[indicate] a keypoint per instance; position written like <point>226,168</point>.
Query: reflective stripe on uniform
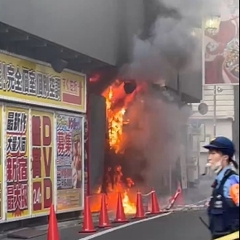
<point>232,236</point>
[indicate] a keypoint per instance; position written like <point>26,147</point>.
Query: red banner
<point>42,161</point>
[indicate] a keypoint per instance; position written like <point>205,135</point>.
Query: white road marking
<point>122,226</point>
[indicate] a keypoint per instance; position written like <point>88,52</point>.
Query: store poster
<point>69,162</point>
<point>42,162</point>
<point>17,154</point>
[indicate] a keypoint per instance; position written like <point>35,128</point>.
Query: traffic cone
<point>120,215</point>
<point>154,203</point>
<point>103,216</point>
<point>87,225</point>
<point>139,207</point>
<point>52,225</point>
<point>179,198</point>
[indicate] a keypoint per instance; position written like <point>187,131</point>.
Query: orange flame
<point>115,131</point>
<point>129,207</point>
<point>115,122</point>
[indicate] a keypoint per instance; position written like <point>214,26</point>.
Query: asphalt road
<point>179,226</point>
<point>184,226</point>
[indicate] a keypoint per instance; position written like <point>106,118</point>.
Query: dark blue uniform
<point>223,211</point>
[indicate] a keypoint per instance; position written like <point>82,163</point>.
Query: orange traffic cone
<point>52,225</point>
<point>120,215</point>
<point>103,217</point>
<point>154,203</point>
<point>87,226</point>
<point>139,207</point>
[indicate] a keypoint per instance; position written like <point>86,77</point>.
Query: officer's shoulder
<point>234,178</point>
<point>230,172</point>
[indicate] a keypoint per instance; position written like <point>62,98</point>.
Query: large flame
<point>115,117</point>
<point>115,122</point>
<point>113,191</point>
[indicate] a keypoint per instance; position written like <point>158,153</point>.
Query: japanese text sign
<point>17,162</point>
<point>36,83</point>
<point>42,162</point>
<point>69,162</point>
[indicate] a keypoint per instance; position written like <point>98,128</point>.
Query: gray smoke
<point>154,139</point>
<point>170,42</point>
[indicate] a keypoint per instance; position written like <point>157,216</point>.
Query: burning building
<point>138,122</point>
<point>142,124</point>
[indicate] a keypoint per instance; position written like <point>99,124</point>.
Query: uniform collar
<point>221,174</point>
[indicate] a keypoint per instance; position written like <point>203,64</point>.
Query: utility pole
<point>215,111</point>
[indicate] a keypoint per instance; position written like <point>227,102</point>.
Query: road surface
<point>178,225</point>
<point>184,225</point>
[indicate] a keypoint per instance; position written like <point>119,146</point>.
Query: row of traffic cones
<point>155,209</point>
<point>103,222</point>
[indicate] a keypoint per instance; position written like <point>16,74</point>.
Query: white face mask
<point>216,167</point>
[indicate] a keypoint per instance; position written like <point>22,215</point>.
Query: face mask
<point>216,167</point>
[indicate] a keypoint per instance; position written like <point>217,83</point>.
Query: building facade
<point>42,138</point>
<point>220,108</point>
<point>221,85</point>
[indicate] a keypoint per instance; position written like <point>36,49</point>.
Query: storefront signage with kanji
<point>36,83</point>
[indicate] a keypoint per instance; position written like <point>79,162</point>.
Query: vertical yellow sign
<point>1,160</point>
<point>17,179</point>
<point>42,162</point>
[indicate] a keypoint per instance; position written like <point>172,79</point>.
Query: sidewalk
<point>67,230</point>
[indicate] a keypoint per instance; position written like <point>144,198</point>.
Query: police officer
<point>223,210</point>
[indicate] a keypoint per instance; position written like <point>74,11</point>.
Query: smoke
<point>151,142</point>
<point>154,145</point>
<point>170,41</point>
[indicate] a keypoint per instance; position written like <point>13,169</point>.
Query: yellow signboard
<point>17,164</point>
<point>42,162</point>
<point>26,81</point>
